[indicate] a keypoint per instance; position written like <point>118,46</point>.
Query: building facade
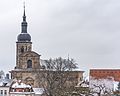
<point>28,65</point>
<point>105,73</point>
<point>4,86</point>
<point>20,89</point>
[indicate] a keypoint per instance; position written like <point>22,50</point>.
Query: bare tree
<point>58,76</point>
<point>101,87</point>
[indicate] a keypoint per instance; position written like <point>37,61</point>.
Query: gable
<point>29,54</point>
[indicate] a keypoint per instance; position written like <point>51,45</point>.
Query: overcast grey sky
<point>87,30</point>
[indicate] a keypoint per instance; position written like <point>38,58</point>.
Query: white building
<point>18,88</point>
<point>4,87</point>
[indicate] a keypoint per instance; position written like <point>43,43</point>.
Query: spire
<point>24,17</point>
<point>24,36</point>
<point>24,23</point>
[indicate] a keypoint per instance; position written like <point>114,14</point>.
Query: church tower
<point>27,61</point>
<point>23,43</point>
<point>25,57</point>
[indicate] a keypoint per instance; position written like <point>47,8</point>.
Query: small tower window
<point>22,49</point>
<point>26,48</point>
<point>29,64</point>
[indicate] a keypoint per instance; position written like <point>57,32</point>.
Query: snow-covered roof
<point>5,82</point>
<point>87,78</point>
<point>83,84</point>
<point>20,85</point>
<point>38,90</point>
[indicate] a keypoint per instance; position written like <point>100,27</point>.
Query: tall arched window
<point>29,64</point>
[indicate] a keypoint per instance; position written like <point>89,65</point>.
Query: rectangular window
<point>1,91</point>
<point>5,92</point>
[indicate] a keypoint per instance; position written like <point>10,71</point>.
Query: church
<point>28,61</point>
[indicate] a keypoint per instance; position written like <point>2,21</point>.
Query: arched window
<point>29,81</point>
<point>29,64</point>
<point>22,49</point>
